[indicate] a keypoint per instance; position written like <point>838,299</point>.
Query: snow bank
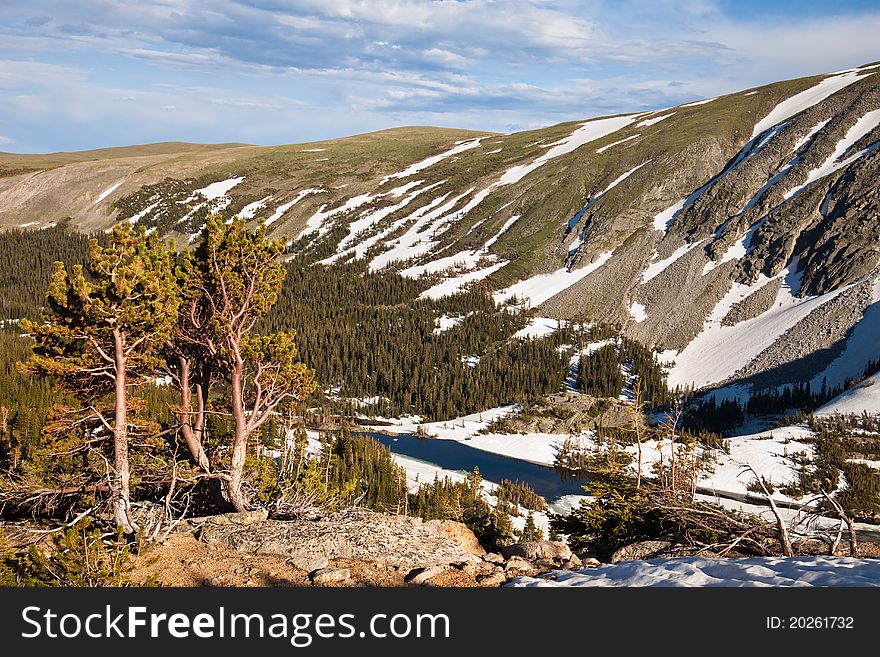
<point>539,327</point>
<point>768,452</point>
<point>863,397</point>
<point>718,351</point>
<point>821,571</point>
<point>805,99</point>
<point>107,192</point>
<point>434,159</point>
<point>650,122</point>
<point>541,287</point>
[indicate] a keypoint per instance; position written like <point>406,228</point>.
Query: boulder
<point>492,579</point>
<point>642,550</point>
<point>329,575</point>
<point>384,539</point>
<point>458,533</point>
<point>538,551</point>
<point>420,576</point>
<point>519,564</point>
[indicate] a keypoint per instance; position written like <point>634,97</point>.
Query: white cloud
<point>257,69</point>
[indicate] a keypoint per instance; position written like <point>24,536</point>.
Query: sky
<point>80,74</point>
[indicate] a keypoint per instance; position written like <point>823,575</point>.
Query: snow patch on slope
<point>616,143</point>
<point>541,287</point>
<point>698,102</point>
<point>805,99</point>
<point>656,268</point>
<point>282,209</point>
<point>718,351</point>
<point>455,284</point>
<point>317,221</point>
<point>638,312</point>
<point>656,119</point>
<point>250,210</point>
<point>107,192</point>
<point>861,344</point>
<point>538,327</point>
<point>862,127</point>
<point>861,398</point>
<point>434,159</point>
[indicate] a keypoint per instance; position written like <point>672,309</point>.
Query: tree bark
<point>239,445</point>
<point>120,482</point>
<point>193,431</point>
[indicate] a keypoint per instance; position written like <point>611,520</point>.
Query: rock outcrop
<point>311,542</point>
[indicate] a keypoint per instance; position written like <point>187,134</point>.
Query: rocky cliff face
<point>739,234</point>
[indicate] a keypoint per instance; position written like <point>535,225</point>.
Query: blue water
<point>451,455</point>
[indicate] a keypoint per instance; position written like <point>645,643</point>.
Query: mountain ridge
<point>738,235</point>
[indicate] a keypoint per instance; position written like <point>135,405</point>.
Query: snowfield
<point>806,99</point>
<point>718,351</point>
<point>864,397</point>
<point>819,571</point>
<point>862,127</point>
<point>541,287</point>
<point>412,169</point>
<point>107,192</point>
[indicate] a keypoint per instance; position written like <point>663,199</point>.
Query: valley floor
<point>730,481</point>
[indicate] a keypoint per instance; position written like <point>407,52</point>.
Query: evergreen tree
<point>238,272</point>
<point>101,332</point>
<point>530,531</point>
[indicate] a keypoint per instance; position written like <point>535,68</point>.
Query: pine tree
<point>239,274</point>
<point>530,531</point>
<point>101,332</point>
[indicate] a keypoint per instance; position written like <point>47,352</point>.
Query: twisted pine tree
<point>100,334</point>
<point>235,276</point>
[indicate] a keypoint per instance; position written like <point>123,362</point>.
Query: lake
<point>452,455</point>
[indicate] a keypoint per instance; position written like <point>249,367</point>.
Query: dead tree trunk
<point>853,540</point>
<point>781,527</point>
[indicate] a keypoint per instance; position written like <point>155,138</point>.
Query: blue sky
<point>77,74</point>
